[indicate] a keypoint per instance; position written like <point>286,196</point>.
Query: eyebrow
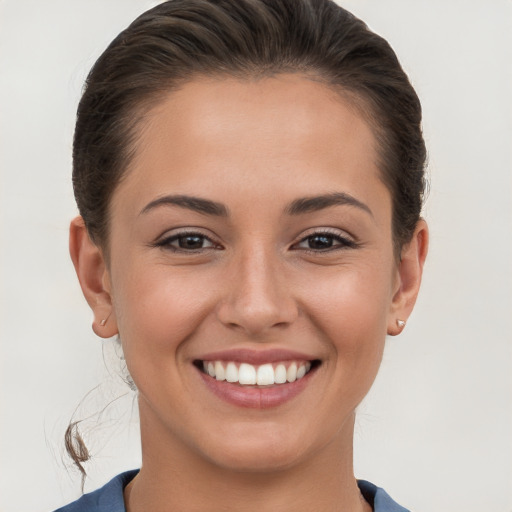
<point>297,207</point>
<point>316,203</point>
<point>196,204</point>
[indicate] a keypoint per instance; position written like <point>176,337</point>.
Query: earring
<point>104,321</point>
<point>400,323</point>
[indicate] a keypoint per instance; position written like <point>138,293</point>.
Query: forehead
<point>288,131</point>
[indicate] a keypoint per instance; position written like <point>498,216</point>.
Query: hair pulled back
<point>180,39</point>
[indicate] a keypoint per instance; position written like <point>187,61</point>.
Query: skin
<point>255,147</point>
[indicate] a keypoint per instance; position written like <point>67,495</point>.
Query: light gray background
<point>436,430</point>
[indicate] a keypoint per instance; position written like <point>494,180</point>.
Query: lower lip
<point>253,396</point>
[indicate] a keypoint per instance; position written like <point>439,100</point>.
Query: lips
<point>257,379</point>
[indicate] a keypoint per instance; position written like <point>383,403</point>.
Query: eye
<point>186,242</point>
<point>324,241</point>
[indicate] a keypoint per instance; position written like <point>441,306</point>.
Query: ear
<point>410,270</point>
<point>94,278</point>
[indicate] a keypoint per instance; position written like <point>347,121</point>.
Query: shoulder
<point>378,498</point>
<point>108,498</point>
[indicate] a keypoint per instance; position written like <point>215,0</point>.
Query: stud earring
<point>104,321</point>
<point>400,323</point>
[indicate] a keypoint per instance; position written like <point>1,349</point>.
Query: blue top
<point>109,498</point>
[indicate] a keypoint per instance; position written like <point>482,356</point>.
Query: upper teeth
<point>263,375</point>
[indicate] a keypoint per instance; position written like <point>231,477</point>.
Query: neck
<point>174,478</point>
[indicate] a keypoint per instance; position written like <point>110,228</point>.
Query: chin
<point>264,451</point>
<point>256,460</point>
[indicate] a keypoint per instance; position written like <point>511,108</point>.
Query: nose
<point>258,295</point>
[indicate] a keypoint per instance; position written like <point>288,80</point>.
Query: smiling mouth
<point>268,374</point>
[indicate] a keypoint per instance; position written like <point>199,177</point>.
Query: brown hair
<point>169,44</point>
<point>179,39</point>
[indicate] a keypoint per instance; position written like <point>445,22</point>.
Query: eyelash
<point>343,242</point>
<point>334,236</point>
<point>165,243</point>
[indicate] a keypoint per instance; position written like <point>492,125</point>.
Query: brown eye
<point>191,242</point>
<point>319,242</point>
<point>185,242</point>
<point>324,242</point>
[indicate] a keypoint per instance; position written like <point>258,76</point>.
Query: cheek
<point>351,307</point>
<point>157,308</point>
<point>351,294</point>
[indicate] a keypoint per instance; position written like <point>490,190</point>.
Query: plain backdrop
<point>436,429</point>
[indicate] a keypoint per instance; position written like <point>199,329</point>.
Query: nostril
<point>256,300</point>
<point>256,319</point>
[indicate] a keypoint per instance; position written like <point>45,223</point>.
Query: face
<point>251,241</point>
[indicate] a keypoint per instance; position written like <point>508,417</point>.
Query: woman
<point>249,176</point>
